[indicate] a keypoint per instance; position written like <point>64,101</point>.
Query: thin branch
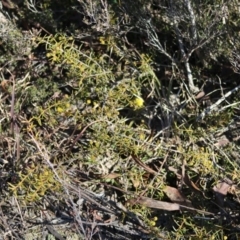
<point>192,87</point>
<point>193,21</point>
<point>209,109</point>
<point>154,40</point>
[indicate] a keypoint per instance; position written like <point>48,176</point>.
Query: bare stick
<point>209,109</point>
<point>182,50</point>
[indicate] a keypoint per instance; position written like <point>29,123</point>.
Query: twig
<point>185,59</point>
<point>209,109</point>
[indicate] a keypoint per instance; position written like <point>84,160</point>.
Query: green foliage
<point>39,91</point>
<point>34,184</point>
<point>189,228</point>
<point>93,78</point>
<point>14,43</point>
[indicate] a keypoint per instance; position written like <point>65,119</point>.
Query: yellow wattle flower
<point>60,109</point>
<point>138,102</point>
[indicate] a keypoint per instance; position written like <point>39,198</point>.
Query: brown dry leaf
<point>151,203</point>
<point>200,95</point>
<point>111,176</point>
<point>4,86</point>
<point>221,190</point>
<point>222,142</point>
<point>139,162</point>
<point>175,196</point>
<point>185,178</point>
<point>188,181</point>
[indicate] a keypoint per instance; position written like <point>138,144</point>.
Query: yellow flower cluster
<point>138,102</point>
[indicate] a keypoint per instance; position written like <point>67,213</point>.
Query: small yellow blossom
<point>138,102</point>
<point>89,101</point>
<point>152,223</point>
<point>60,109</point>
